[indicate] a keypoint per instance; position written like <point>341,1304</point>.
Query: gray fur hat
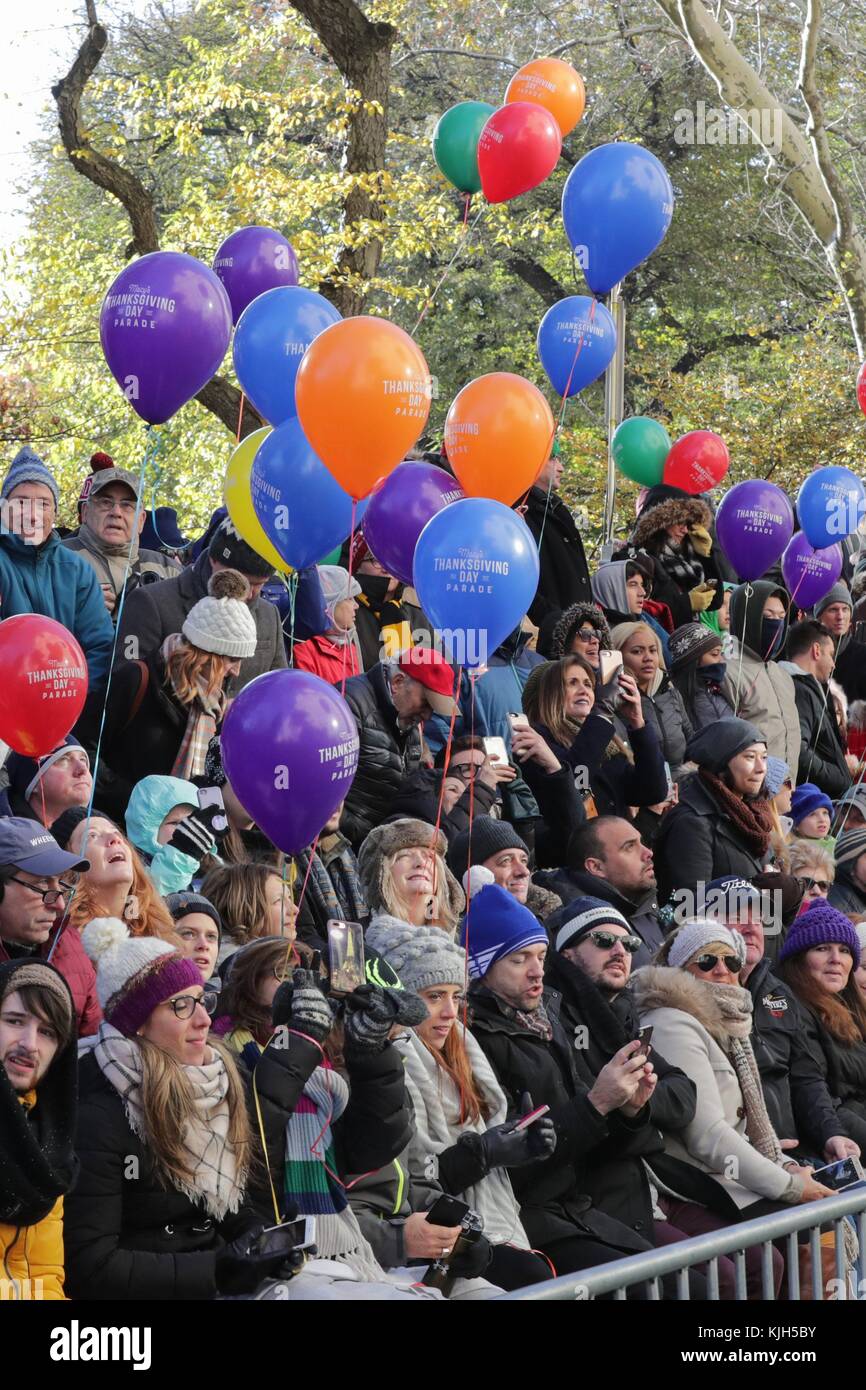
<point>388,839</point>
<point>422,956</point>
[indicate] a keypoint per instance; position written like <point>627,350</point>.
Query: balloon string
<point>152,446</point>
<point>292,587</point>
<point>240,418</point>
<point>159,447</point>
<point>349,590</point>
<point>447,758</point>
<point>465,238</point>
<point>748,595</point>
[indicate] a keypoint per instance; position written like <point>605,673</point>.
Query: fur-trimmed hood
<point>571,621</point>
<point>664,987</point>
<point>677,511</point>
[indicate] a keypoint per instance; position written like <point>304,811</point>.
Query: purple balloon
<point>290,750</point>
<point>754,523</point>
<point>165,325</point>
<point>809,573</point>
<point>399,510</point>
<point>253,260</point>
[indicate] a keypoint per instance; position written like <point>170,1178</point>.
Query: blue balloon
<point>476,573</point>
<point>272,335</point>
<point>617,205</point>
<point>830,504</point>
<point>300,504</point>
<point>576,340</point>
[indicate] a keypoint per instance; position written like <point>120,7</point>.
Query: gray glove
<point>371,1013</point>
<point>301,1005</point>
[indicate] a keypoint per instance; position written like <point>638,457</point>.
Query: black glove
<point>371,1013</point>
<point>471,1258</point>
<point>301,1005</point>
<point>195,834</point>
<point>238,1271</point>
<point>506,1146</point>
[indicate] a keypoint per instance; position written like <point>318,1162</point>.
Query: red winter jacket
<point>325,658</point>
<point>72,961</point>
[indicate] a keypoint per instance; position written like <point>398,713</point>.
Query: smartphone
<point>495,749</point>
<point>212,796</point>
<point>843,1173</point>
<point>282,1240</point>
<point>345,956</point>
<point>609,669</point>
<point>645,1037</point>
<point>518,721</point>
<point>447,1211</point>
<point>530,1119</point>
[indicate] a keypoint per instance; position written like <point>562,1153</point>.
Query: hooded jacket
<point>564,576</point>
<point>822,755</point>
<point>109,562</point>
<point>39,1167</point>
<point>151,800</point>
<point>386,754</point>
<point>689,1032</point>
<point>52,580</point>
<point>610,593</point>
<point>758,690</point>
<point>649,535</point>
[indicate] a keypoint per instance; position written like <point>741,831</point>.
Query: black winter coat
<point>387,754</point>
<point>843,1069</point>
<point>698,842</point>
<point>642,916</point>
<point>127,1236</point>
<point>798,1102</point>
<point>564,577</point>
<point>554,1201</point>
<point>418,796</point>
<point>149,741</point>
<point>665,712</point>
<point>850,669</point>
<point>822,756</point>
<point>846,895</point>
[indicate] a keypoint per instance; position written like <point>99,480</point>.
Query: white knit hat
<point>222,623</point>
<point>700,932</point>
<point>134,974</point>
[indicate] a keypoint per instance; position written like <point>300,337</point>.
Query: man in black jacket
<point>608,859</point>
<point>517,1024</point>
<point>390,702</point>
<point>564,577</point>
<point>798,1102</point>
<point>823,759</point>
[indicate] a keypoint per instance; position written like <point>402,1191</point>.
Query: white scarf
<point>438,1126</point>
<point>216,1182</point>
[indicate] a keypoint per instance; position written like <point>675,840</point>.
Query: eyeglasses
<point>708,962</point>
<point>587,634</point>
<point>605,941</point>
<point>107,504</point>
<point>465,771</point>
<point>820,883</point>
<point>184,1005</point>
<point>50,896</point>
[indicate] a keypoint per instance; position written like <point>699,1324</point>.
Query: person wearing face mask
<point>382,622</point>
<point>722,823</point>
<point>334,654</point>
<point>698,669</point>
<point>170,831</point>
<point>758,689</point>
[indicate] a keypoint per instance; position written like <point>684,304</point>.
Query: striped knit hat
<point>850,845</point>
<point>134,974</point>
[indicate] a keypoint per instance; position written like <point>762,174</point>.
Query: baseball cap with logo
<point>431,670</point>
<point>24,844</point>
<point>95,482</point>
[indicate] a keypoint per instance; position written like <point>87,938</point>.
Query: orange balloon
<point>498,436</point>
<point>363,393</point>
<point>553,84</point>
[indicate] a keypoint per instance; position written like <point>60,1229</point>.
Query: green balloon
<point>640,447</point>
<point>332,557</point>
<point>455,143</point>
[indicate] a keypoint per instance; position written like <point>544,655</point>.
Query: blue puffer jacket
<point>55,581</point>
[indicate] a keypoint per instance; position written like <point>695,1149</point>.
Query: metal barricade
<point>649,1267</point>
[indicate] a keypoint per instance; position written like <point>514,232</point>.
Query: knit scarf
<point>534,1022</point>
<point>311,1180</point>
<point>340,865</point>
<point>751,818</point>
<point>217,1181</point>
<point>438,1126</point>
<point>734,1004</point>
<point>114,557</point>
<point>204,715</point>
<point>681,563</point>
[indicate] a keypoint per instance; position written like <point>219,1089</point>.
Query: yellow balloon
<point>238,499</point>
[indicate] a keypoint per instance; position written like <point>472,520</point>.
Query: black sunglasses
<point>708,962</point>
<point>605,941</point>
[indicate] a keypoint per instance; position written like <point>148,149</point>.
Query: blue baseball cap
<point>25,844</point>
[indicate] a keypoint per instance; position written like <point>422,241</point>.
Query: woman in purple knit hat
<point>818,959</point>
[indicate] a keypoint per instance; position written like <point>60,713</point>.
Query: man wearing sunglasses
<point>37,880</point>
<point>795,1092</point>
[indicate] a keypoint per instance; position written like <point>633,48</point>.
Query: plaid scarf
<point>751,818</point>
<point>204,715</point>
<point>334,880</point>
<point>217,1181</point>
<point>534,1022</point>
<point>681,564</point>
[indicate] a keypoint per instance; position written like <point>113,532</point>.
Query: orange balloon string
<point>240,418</point>
<point>447,759</point>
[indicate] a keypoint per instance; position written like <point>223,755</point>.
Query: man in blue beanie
<point>517,1024</point>
<point>38,574</point>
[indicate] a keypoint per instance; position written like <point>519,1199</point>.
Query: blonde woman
<point>164,711</point>
<point>663,706</point>
<point>813,866</point>
<point>405,878</point>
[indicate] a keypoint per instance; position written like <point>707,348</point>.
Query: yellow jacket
<point>31,1257</point>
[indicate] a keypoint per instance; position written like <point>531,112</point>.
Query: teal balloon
<point>640,447</point>
<point>455,143</point>
<point>332,557</point>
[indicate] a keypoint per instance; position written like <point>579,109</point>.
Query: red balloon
<point>43,683</point>
<point>861,388</point>
<point>697,461</point>
<point>517,149</point>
